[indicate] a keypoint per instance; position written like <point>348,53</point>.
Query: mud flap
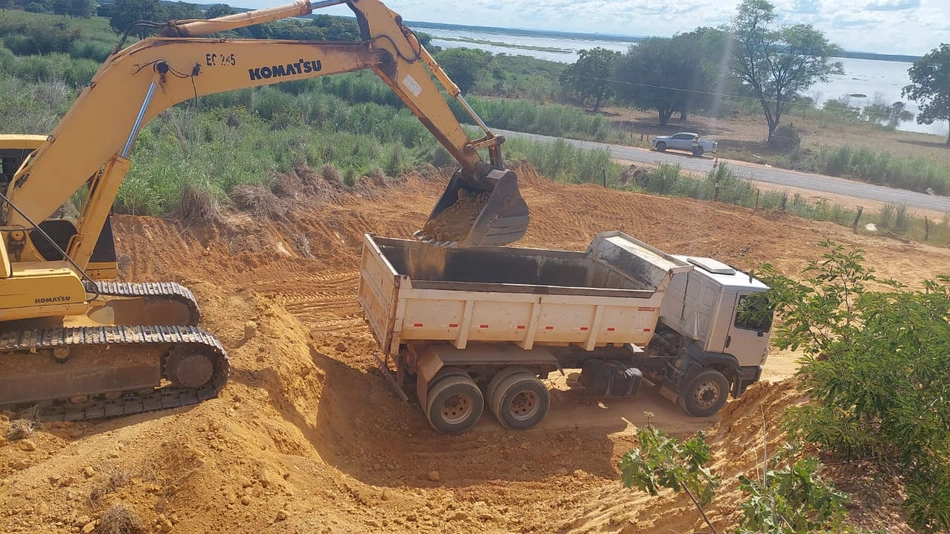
<point>502,217</point>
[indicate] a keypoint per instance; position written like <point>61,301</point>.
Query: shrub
<point>786,137</point>
<point>877,366</point>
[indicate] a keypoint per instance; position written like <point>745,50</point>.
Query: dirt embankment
<point>307,437</point>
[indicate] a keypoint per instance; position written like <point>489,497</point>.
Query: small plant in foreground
<point>790,498</point>
<point>663,462</point>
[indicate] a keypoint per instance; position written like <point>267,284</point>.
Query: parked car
<point>688,141</point>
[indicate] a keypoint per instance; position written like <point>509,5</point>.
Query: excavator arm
<point>93,141</point>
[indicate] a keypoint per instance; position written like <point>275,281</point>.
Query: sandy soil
<point>307,437</point>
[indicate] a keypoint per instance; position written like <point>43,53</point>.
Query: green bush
<point>877,366</point>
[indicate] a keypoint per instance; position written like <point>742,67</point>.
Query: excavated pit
<point>307,437</point>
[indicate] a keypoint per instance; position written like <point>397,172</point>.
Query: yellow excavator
<point>75,345</point>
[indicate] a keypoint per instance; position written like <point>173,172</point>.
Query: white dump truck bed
<point>610,294</point>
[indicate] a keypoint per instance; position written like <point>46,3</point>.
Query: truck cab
<point>718,324</point>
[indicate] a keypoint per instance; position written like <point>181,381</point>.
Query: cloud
<point>885,26</point>
<point>892,5</point>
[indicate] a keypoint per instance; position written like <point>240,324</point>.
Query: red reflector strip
<point>549,328</point>
<point>610,329</point>
<point>584,329</point>
<point>417,325</point>
<point>521,327</point>
<point>483,326</point>
<point>647,329</point>
<point>453,325</point>
<point>646,308</point>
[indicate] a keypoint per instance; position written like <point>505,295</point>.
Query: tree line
<point>750,57</point>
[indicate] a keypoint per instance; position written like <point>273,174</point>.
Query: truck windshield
<point>754,312</point>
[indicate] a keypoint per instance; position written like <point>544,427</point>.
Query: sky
<point>883,26</point>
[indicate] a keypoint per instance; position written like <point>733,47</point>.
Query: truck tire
<point>454,404</point>
<point>500,377</point>
<point>448,370</point>
<point>698,151</point>
<point>661,146</point>
<point>706,394</point>
<point>520,401</point>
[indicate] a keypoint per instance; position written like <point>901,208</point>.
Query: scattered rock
<point>561,472</point>
<point>434,476</point>
<point>578,473</point>
<point>458,516</point>
<point>28,445</point>
<point>282,515</point>
<point>89,472</point>
<point>89,527</point>
<point>82,520</point>
<point>245,500</point>
<point>341,347</point>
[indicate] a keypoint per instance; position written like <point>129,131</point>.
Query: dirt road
<point>307,437</point>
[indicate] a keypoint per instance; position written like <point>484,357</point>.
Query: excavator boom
<point>137,83</point>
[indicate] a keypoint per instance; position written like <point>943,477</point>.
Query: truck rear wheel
<point>500,377</point>
<point>661,146</point>
<point>706,394</point>
<point>454,404</point>
<point>520,401</point>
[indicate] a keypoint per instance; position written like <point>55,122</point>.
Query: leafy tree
<point>179,11</point>
<point>126,12</point>
<point>778,64</point>
<point>337,28</point>
<point>708,74</point>
<point>671,75</point>
<point>930,86</point>
<point>887,115</point>
<point>465,66</point>
<point>218,10</point>
<point>653,75</point>
<point>877,364</point>
<point>589,76</point>
<point>82,8</point>
<point>60,7</point>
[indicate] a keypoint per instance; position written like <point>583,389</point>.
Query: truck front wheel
<point>706,394</point>
<point>520,401</point>
<point>454,404</point>
<point>698,151</point>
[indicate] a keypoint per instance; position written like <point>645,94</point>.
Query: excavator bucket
<point>474,210</point>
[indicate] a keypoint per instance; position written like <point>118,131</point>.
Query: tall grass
<point>566,163</point>
<point>547,119</point>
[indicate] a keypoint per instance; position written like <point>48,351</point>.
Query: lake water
<point>862,76</point>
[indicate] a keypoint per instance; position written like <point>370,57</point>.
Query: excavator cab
<point>481,209</point>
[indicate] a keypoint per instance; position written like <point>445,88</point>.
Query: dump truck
<point>470,328</point>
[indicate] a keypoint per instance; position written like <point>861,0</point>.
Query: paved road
<point>761,173</point>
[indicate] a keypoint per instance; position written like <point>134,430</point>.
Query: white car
<point>688,141</point>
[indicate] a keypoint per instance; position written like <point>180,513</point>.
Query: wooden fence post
<point>857,218</point>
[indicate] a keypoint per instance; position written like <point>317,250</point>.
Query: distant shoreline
<point>619,38</point>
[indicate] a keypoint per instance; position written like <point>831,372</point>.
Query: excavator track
<point>152,293</point>
<point>42,345</point>
<point>92,372</point>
